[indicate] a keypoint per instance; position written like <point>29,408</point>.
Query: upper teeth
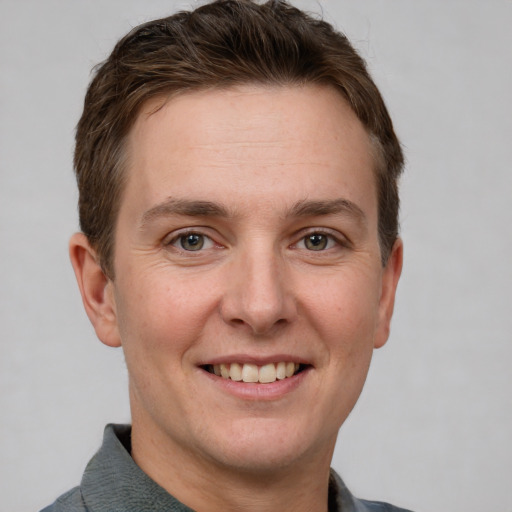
<point>253,373</point>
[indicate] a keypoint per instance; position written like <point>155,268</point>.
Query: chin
<point>261,446</point>
<point>258,459</point>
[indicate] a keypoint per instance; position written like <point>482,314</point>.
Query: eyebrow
<point>302,208</point>
<point>312,208</point>
<point>186,207</point>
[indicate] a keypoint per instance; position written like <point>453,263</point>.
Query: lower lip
<point>255,391</point>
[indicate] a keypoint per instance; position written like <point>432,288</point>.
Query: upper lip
<point>253,359</point>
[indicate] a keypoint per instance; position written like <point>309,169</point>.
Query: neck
<point>207,486</point>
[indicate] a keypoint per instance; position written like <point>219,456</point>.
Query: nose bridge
<point>259,295</point>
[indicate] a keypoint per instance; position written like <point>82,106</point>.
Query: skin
<point>275,166</point>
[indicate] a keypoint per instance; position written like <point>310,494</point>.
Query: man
<point>238,172</point>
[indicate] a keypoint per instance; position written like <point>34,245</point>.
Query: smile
<point>252,373</point>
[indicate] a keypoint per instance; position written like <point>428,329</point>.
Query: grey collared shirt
<point>112,482</point>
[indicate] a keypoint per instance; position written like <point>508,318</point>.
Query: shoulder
<point>379,506</point>
<point>71,501</point>
<point>341,499</point>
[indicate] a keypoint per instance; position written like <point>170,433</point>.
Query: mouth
<point>252,373</point>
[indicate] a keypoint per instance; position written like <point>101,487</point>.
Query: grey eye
<point>316,242</point>
<point>191,242</point>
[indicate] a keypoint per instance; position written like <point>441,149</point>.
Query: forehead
<point>264,142</point>
<point>253,108</point>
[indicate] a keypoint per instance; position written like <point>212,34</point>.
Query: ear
<point>96,290</point>
<point>390,276</point>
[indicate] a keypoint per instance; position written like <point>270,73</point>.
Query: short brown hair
<point>222,43</point>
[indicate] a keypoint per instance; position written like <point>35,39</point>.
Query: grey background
<point>432,430</point>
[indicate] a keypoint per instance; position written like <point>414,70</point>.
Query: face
<point>249,292</point>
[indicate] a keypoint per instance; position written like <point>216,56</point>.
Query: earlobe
<point>390,276</point>
<point>96,290</point>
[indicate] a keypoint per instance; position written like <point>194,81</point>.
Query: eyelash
<point>331,241</point>
<point>189,233</point>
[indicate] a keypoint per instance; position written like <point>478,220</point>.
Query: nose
<point>259,294</point>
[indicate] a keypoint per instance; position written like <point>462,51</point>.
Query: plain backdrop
<point>432,430</point>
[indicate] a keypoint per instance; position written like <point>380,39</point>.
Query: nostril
<point>237,321</point>
<point>260,307</point>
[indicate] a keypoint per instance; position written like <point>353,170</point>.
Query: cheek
<point>345,311</point>
<point>163,315</point>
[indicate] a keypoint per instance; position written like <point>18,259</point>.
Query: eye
<point>192,242</point>
<point>318,242</point>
